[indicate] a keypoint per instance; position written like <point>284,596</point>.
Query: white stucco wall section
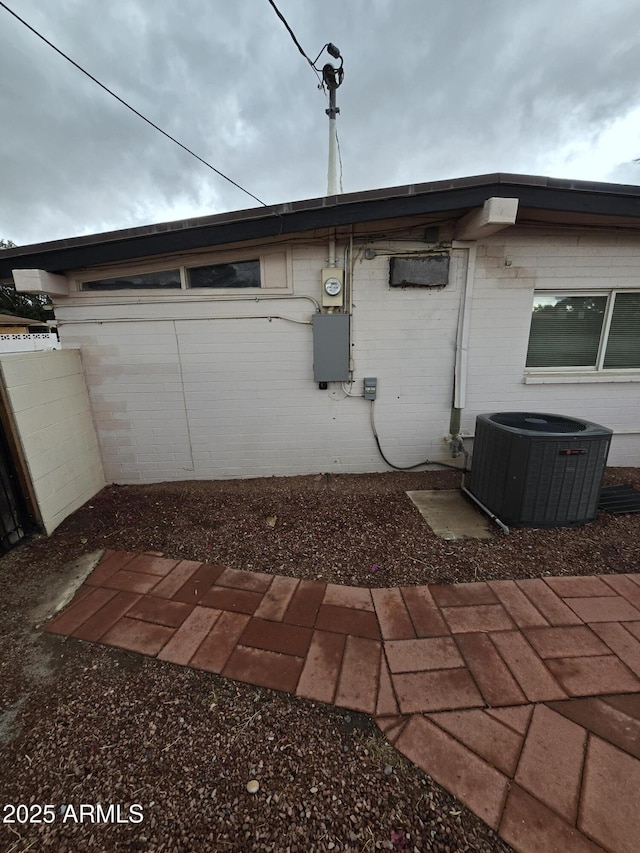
<point>196,386</point>
<point>204,388</point>
<point>406,337</point>
<point>50,405</point>
<point>509,269</point>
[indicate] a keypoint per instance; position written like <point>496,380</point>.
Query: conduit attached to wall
<point>147,300</point>
<point>182,319</point>
<point>464,324</point>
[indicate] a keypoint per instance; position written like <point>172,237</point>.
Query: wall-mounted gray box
<point>331,347</point>
<point>370,388</point>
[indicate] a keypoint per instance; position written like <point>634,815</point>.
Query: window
<point>164,280</point>
<point>599,331</point>
<point>242,274</point>
<point>221,273</point>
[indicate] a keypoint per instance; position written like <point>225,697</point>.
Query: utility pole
<point>332,78</point>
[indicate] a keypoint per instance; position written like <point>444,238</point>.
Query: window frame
<point>598,369</point>
<point>183,264</point>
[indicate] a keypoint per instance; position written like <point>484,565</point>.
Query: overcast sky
<point>433,89</point>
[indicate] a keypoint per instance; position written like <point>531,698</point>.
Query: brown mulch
<point>81,723</point>
<point>360,530</point>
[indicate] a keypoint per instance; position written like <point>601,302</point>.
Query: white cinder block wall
<point>192,387</point>
<point>508,269</point>
<point>49,402</point>
<point>204,391</point>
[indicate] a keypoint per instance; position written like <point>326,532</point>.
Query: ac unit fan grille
<point>538,423</point>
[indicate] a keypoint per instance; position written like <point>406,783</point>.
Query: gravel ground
<point>81,723</point>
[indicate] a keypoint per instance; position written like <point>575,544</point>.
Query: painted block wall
<point>202,388</point>
<point>406,337</point>
<point>213,389</point>
<point>509,268</point>
<point>49,401</point>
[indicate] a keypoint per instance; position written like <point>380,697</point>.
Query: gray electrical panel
<point>331,347</point>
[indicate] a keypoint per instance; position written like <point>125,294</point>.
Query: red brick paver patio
<point>521,698</point>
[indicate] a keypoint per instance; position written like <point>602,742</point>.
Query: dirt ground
<point>86,724</point>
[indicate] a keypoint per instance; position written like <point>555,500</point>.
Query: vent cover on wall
<point>538,470</point>
<point>425,271</point>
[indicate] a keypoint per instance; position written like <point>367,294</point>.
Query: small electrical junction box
<point>370,388</point>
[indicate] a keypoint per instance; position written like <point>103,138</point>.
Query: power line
<point>129,107</point>
<point>296,42</point>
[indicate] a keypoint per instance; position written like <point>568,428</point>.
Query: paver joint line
<point>465,680</point>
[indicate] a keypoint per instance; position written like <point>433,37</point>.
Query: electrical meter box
<point>331,347</point>
<point>332,287</point>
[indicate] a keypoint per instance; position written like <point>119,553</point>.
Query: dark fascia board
<point>459,195</point>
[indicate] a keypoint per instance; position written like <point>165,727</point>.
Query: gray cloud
<point>431,91</point>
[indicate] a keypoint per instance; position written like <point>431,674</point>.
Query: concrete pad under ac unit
<point>450,515</point>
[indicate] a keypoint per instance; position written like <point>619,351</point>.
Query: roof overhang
<point>565,201</point>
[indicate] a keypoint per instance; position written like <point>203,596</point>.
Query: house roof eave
<point>458,195</point>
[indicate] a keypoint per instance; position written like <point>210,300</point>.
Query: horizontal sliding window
<point>241,274</point>
<point>164,280</point>
<point>215,272</point>
<point>598,331</point>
